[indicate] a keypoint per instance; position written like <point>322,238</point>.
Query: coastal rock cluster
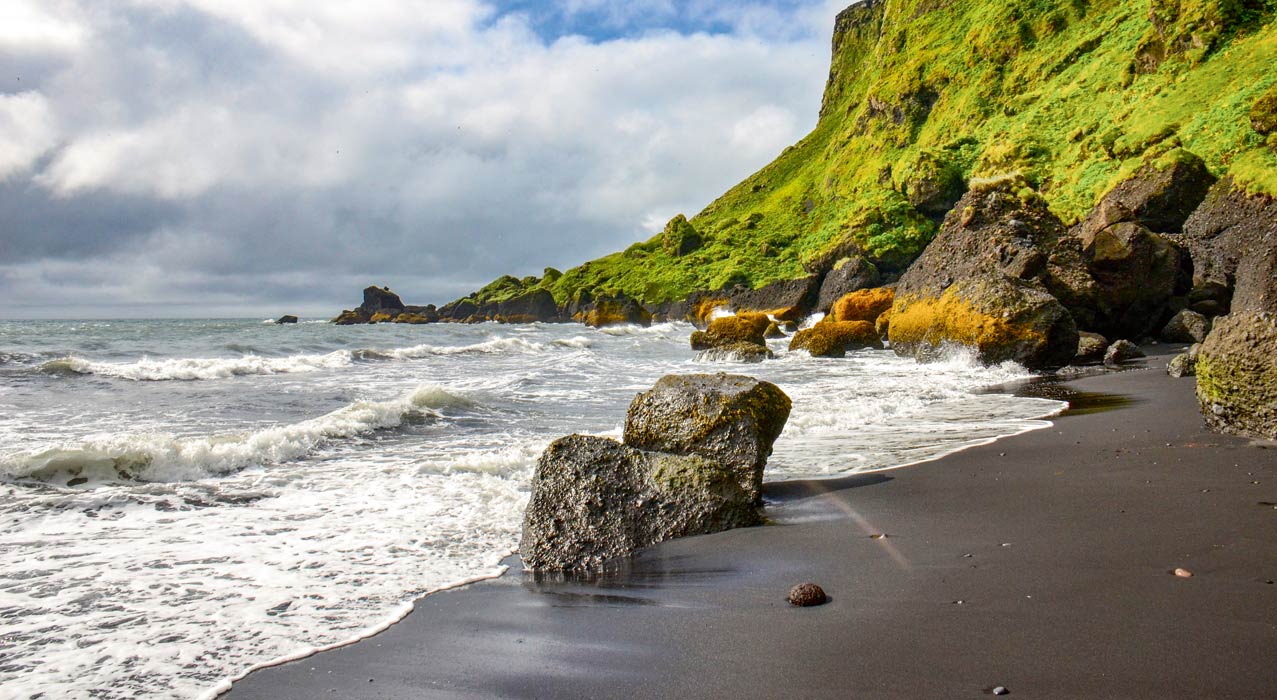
<point>691,463</point>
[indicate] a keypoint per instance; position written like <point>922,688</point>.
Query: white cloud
<point>27,131</point>
<point>41,25</point>
<point>433,144</point>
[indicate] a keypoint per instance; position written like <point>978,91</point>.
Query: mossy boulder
<point>998,318</point>
<point>863,305</point>
<point>1237,375</point>
<point>679,237</point>
<point>727,418</point>
<point>382,317</point>
<point>1263,113</point>
<point>835,338</point>
<point>594,500</point>
<point>728,330</point>
<point>351,317</point>
<point>415,318</point>
<point>613,312</point>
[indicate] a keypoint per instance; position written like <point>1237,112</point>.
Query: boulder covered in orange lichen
<point>997,317</point>
<point>727,330</point>
<point>835,338</point>
<point>612,312</point>
<point>863,305</point>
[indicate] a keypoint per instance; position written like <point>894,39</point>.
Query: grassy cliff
<point>926,95</point>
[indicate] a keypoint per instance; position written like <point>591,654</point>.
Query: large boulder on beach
<point>979,284</point>
<point>730,419</point>
<point>1233,239</point>
<point>834,338</point>
<point>997,318</point>
<point>1237,375</point>
<point>594,499</point>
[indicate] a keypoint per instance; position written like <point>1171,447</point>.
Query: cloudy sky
<point>256,157</point>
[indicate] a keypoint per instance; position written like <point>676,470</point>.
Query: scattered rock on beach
<point>1183,573</point>
<point>1001,690</point>
<point>1187,326</point>
<point>1122,351</point>
<point>1182,366</point>
<point>1090,348</point>
<point>806,595</point>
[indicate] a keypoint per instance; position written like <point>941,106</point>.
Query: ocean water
<point>181,501</point>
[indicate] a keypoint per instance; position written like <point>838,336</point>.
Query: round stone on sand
<point>805,595</point>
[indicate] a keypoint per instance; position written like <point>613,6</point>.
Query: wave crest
<point>166,458</point>
<point>192,369</point>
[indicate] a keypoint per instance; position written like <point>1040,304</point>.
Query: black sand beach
<point>1042,563</point>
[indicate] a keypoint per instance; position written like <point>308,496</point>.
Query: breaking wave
<point>192,369</point>
<point>167,458</point>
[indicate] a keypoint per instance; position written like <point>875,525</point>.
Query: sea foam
<point>167,458</point>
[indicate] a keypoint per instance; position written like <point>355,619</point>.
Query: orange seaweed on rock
<point>726,330</point>
<point>863,305</point>
<point>835,338</point>
<point>1000,319</point>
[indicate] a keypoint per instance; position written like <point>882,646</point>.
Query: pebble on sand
<point>1183,573</point>
<point>805,595</point>
<point>1000,690</point>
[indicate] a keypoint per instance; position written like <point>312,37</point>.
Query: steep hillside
<point>925,96</point>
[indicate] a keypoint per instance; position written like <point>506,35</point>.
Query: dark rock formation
<point>350,317</point>
<point>1186,327</point>
<point>533,306</point>
<point>594,499</point>
<point>979,284</point>
<point>727,418</point>
<point>787,300</point>
<point>848,275</point>
<point>834,338</point>
<point>286,318</point>
<point>1159,196</point>
<point>381,299</point>
<point>1233,237</point>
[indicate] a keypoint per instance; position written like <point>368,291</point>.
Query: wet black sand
<point>1041,563</point>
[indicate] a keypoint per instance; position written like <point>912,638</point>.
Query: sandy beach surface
<point>1043,564</point>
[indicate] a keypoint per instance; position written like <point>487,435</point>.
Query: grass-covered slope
<point>924,95</point>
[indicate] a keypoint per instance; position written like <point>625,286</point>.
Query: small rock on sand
<point>1183,573</point>
<point>1000,690</point>
<point>805,595</point>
